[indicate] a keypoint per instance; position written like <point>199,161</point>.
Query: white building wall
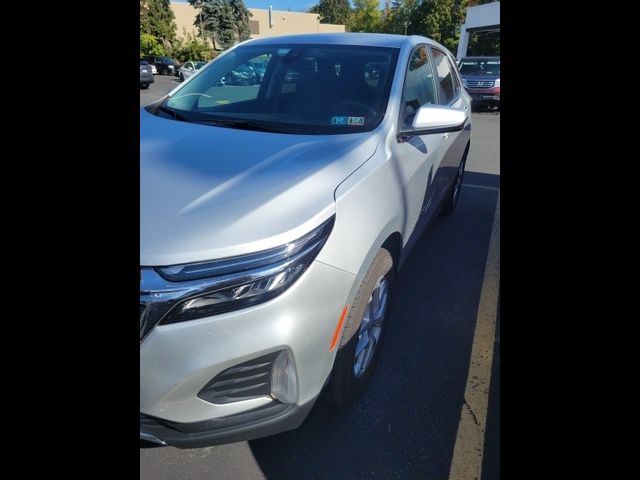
<point>478,17</point>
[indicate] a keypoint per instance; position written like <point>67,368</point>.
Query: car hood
<point>212,192</point>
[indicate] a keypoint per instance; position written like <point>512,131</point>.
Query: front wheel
<point>363,332</point>
<point>144,86</point>
<point>181,77</point>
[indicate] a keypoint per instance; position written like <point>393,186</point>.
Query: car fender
<point>370,207</point>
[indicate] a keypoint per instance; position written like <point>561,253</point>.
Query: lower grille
<point>247,380</point>
<point>480,83</point>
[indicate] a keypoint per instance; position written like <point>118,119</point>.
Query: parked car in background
<point>481,78</point>
<point>164,65</point>
<point>274,220</point>
<point>146,77</point>
<point>154,70</point>
<point>189,68</point>
<point>241,75</point>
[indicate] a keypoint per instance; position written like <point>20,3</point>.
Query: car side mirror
<point>430,119</point>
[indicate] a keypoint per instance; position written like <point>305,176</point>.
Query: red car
<point>481,79</point>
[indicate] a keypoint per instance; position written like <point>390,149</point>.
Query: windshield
<point>480,67</point>
<point>290,88</point>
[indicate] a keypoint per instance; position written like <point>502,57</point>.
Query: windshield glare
<point>480,67</point>
<point>302,88</point>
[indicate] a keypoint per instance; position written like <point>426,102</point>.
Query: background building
<point>282,23</point>
<point>481,18</point>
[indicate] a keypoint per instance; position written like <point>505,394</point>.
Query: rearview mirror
<point>431,119</point>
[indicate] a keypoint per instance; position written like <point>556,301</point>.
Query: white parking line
<point>484,187</point>
<point>467,452</point>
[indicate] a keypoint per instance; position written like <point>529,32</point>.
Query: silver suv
<point>274,218</point>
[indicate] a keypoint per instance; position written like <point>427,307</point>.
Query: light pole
<point>406,24</point>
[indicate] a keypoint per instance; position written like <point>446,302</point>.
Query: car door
<point>419,156</point>
<point>450,93</point>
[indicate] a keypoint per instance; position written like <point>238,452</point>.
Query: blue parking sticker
<point>347,120</point>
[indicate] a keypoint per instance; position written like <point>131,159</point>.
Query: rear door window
<point>448,83</point>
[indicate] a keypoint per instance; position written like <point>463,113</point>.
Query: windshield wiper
<point>173,113</point>
<point>248,125</point>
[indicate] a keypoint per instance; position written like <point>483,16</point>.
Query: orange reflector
<point>336,334</point>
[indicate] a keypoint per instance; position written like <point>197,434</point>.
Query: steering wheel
<point>353,103</point>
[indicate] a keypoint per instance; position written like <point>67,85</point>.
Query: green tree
<point>473,3</point>
<point>399,14</point>
<point>191,48</point>
<point>440,20</point>
<point>149,45</point>
<point>241,16</point>
<point>157,19</point>
<point>223,21</point>
<point>366,16</point>
<point>333,11</point>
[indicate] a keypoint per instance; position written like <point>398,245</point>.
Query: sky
<point>295,5</point>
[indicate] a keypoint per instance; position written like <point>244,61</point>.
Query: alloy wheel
<point>371,327</point>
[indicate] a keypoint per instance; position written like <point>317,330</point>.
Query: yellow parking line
<point>469,446</point>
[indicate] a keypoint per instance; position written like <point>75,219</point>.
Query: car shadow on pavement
<point>405,424</point>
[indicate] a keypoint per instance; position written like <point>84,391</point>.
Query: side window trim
<point>456,97</point>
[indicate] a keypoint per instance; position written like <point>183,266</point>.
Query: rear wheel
<point>363,332</point>
<point>454,191</point>
<point>181,77</point>
<point>144,86</point>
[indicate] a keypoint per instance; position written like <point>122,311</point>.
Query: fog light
<point>284,384</point>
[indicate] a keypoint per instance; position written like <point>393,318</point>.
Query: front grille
<point>480,83</point>
<point>247,380</point>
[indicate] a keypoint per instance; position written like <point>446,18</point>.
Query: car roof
<point>350,38</point>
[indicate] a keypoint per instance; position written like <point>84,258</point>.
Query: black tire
<point>454,193</point>
<point>344,385</point>
<point>181,77</point>
<point>144,86</point>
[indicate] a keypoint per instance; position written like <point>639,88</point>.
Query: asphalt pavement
<point>407,424</point>
<point>162,85</point>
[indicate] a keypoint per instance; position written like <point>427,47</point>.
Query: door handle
<point>445,135</point>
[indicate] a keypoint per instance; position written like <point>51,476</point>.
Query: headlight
<point>184,292</point>
<point>497,83</point>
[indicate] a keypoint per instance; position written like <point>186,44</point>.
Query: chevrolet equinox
<point>274,217</point>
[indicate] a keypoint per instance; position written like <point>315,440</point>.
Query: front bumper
<point>484,96</point>
<point>178,360</point>
<point>261,422</point>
